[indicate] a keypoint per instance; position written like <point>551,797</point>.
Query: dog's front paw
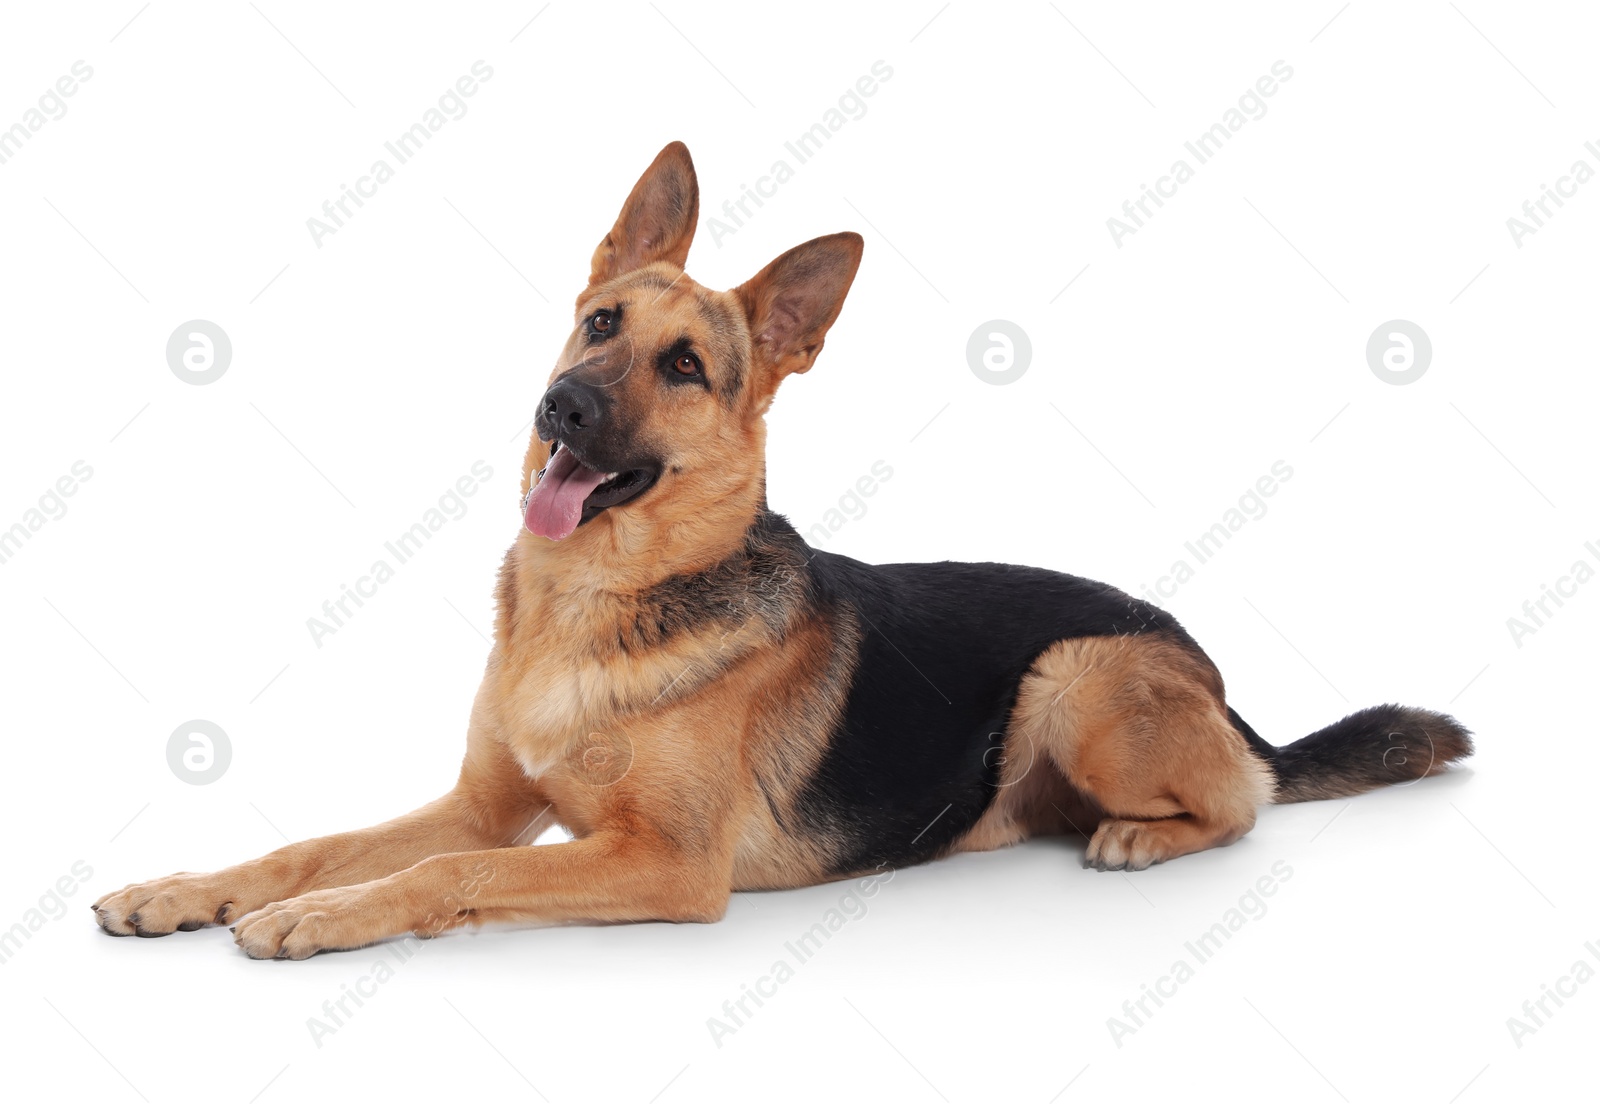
<point>183,901</point>
<point>331,919</point>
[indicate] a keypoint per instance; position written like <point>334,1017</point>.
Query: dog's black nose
<point>571,407</point>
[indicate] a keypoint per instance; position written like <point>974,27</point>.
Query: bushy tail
<point>1381,745</point>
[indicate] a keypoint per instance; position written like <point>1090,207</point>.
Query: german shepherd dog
<point>708,705</point>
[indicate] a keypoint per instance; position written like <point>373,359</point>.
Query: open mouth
<point>568,493</point>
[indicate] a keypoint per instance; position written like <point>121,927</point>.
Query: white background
<point>369,373</point>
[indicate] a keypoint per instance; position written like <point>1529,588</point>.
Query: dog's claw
<point>181,902</point>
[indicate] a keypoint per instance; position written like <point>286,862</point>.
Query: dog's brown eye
<point>687,364</point>
<point>600,322</point>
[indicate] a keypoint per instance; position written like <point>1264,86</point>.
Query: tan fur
<point>675,764</point>
<point>1126,739</point>
<point>677,752</point>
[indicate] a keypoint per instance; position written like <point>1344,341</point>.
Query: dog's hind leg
<point>1138,725</point>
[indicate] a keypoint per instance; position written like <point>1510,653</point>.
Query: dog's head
<point>653,414</point>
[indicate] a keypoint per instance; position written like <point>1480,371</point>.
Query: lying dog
<point>709,705</point>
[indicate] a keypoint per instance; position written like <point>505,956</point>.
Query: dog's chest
<point>573,704</point>
<point>550,707</point>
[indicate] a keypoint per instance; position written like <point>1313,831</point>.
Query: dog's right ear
<point>657,222</point>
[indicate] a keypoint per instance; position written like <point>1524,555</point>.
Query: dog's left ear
<point>793,301</point>
<point>657,221</point>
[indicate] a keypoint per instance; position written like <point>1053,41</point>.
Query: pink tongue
<point>555,506</point>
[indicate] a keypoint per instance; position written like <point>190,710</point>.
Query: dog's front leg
<point>492,805</point>
<point>610,876</point>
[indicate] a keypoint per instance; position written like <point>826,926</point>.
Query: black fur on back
<point>936,654</point>
<point>941,653</point>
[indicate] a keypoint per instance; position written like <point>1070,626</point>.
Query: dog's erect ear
<point>793,301</point>
<point>657,222</point>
